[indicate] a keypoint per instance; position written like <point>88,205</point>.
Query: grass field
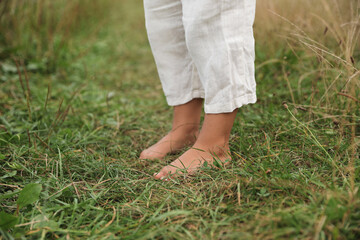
<point>80,99</point>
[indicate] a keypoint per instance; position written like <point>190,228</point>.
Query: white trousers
<point>204,49</point>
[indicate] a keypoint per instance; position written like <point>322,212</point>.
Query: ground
<point>93,108</point>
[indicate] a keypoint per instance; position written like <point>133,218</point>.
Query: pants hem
<point>185,98</point>
<point>230,106</point>
<point>217,107</point>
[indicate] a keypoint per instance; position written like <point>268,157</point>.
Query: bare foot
<point>174,141</point>
<point>185,128</point>
<point>189,162</point>
<point>212,145</point>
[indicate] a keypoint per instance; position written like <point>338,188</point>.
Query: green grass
<point>99,103</point>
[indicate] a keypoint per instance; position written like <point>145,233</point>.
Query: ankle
<point>219,148</point>
<point>186,128</point>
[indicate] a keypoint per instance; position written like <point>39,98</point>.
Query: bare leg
<point>213,141</point>
<point>185,128</point>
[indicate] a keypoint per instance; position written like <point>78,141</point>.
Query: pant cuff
<point>230,106</point>
<point>185,98</point>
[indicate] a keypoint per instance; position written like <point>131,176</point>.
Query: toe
<point>150,155</point>
<point>162,174</point>
<point>158,175</point>
<point>143,155</point>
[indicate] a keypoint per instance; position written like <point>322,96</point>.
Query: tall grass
<point>326,35</point>
<point>326,31</point>
<point>44,30</point>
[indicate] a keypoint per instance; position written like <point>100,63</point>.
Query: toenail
<point>164,178</point>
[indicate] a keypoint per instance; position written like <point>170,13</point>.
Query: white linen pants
<point>204,49</point>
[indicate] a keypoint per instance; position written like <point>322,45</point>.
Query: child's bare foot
<point>174,141</point>
<point>191,160</point>
<point>213,143</point>
<point>186,122</point>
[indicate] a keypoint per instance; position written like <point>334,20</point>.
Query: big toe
<point>143,155</point>
<point>148,154</point>
<point>162,174</point>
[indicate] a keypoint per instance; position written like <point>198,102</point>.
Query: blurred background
<point>49,36</point>
<point>80,98</point>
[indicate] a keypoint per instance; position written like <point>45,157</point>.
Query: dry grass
<point>328,32</point>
